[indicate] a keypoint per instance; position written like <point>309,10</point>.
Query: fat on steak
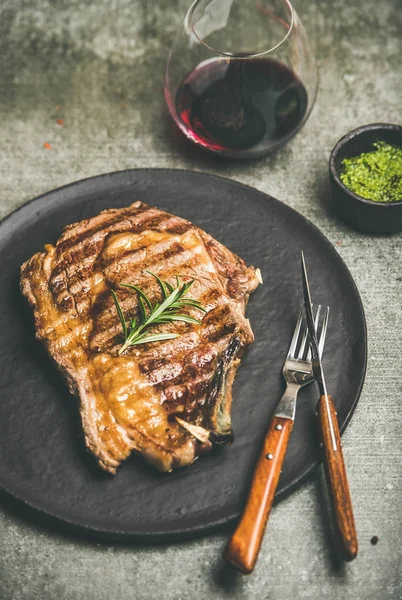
<point>170,400</point>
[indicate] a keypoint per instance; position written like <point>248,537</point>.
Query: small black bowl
<point>375,217</point>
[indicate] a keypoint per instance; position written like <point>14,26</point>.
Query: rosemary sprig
<point>137,330</point>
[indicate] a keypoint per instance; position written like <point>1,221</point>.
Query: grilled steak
<point>168,400</point>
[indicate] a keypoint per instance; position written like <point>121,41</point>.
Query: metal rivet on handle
<point>279,427</point>
<point>269,456</point>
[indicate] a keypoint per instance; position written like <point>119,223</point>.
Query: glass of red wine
<point>240,78</point>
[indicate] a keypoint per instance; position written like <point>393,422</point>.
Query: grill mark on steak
<point>82,231</point>
<point>135,221</point>
<point>147,260</point>
<point>79,272</point>
<point>138,254</point>
<point>129,403</point>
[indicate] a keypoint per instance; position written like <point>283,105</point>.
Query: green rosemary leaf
<point>186,286</point>
<point>170,317</point>
<point>143,311</point>
<point>166,311</point>
<point>185,319</point>
<point>140,292</point>
<point>128,343</point>
<point>193,303</point>
<point>161,284</point>
<point>120,313</point>
<point>157,337</point>
<point>165,305</point>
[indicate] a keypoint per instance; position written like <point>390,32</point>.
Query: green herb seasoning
<point>375,175</point>
<point>166,311</point>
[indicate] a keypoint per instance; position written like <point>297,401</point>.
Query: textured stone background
<point>101,62</point>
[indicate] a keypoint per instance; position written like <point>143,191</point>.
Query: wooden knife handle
<point>244,545</point>
<point>337,481</point>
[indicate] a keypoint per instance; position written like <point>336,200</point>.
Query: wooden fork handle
<point>244,545</point>
<point>337,481</point>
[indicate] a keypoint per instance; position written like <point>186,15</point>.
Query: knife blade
<point>334,464</point>
<point>318,371</point>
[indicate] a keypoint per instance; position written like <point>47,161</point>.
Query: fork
<point>244,545</point>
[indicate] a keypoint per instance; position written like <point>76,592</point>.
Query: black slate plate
<point>43,461</point>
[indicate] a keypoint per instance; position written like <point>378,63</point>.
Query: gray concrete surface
<point>101,62</point>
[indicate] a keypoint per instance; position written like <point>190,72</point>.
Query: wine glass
<point>240,78</point>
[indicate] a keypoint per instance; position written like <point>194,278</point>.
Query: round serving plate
<point>43,458</point>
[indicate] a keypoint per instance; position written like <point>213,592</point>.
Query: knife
<point>331,441</point>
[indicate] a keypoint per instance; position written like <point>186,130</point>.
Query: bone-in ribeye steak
<point>168,400</point>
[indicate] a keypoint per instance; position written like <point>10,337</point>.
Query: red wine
<point>241,106</point>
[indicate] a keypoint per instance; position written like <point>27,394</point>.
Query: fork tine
<point>293,343</point>
<point>316,321</point>
<point>323,332</point>
<point>302,348</point>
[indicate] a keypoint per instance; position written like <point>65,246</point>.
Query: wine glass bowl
<point>240,78</point>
